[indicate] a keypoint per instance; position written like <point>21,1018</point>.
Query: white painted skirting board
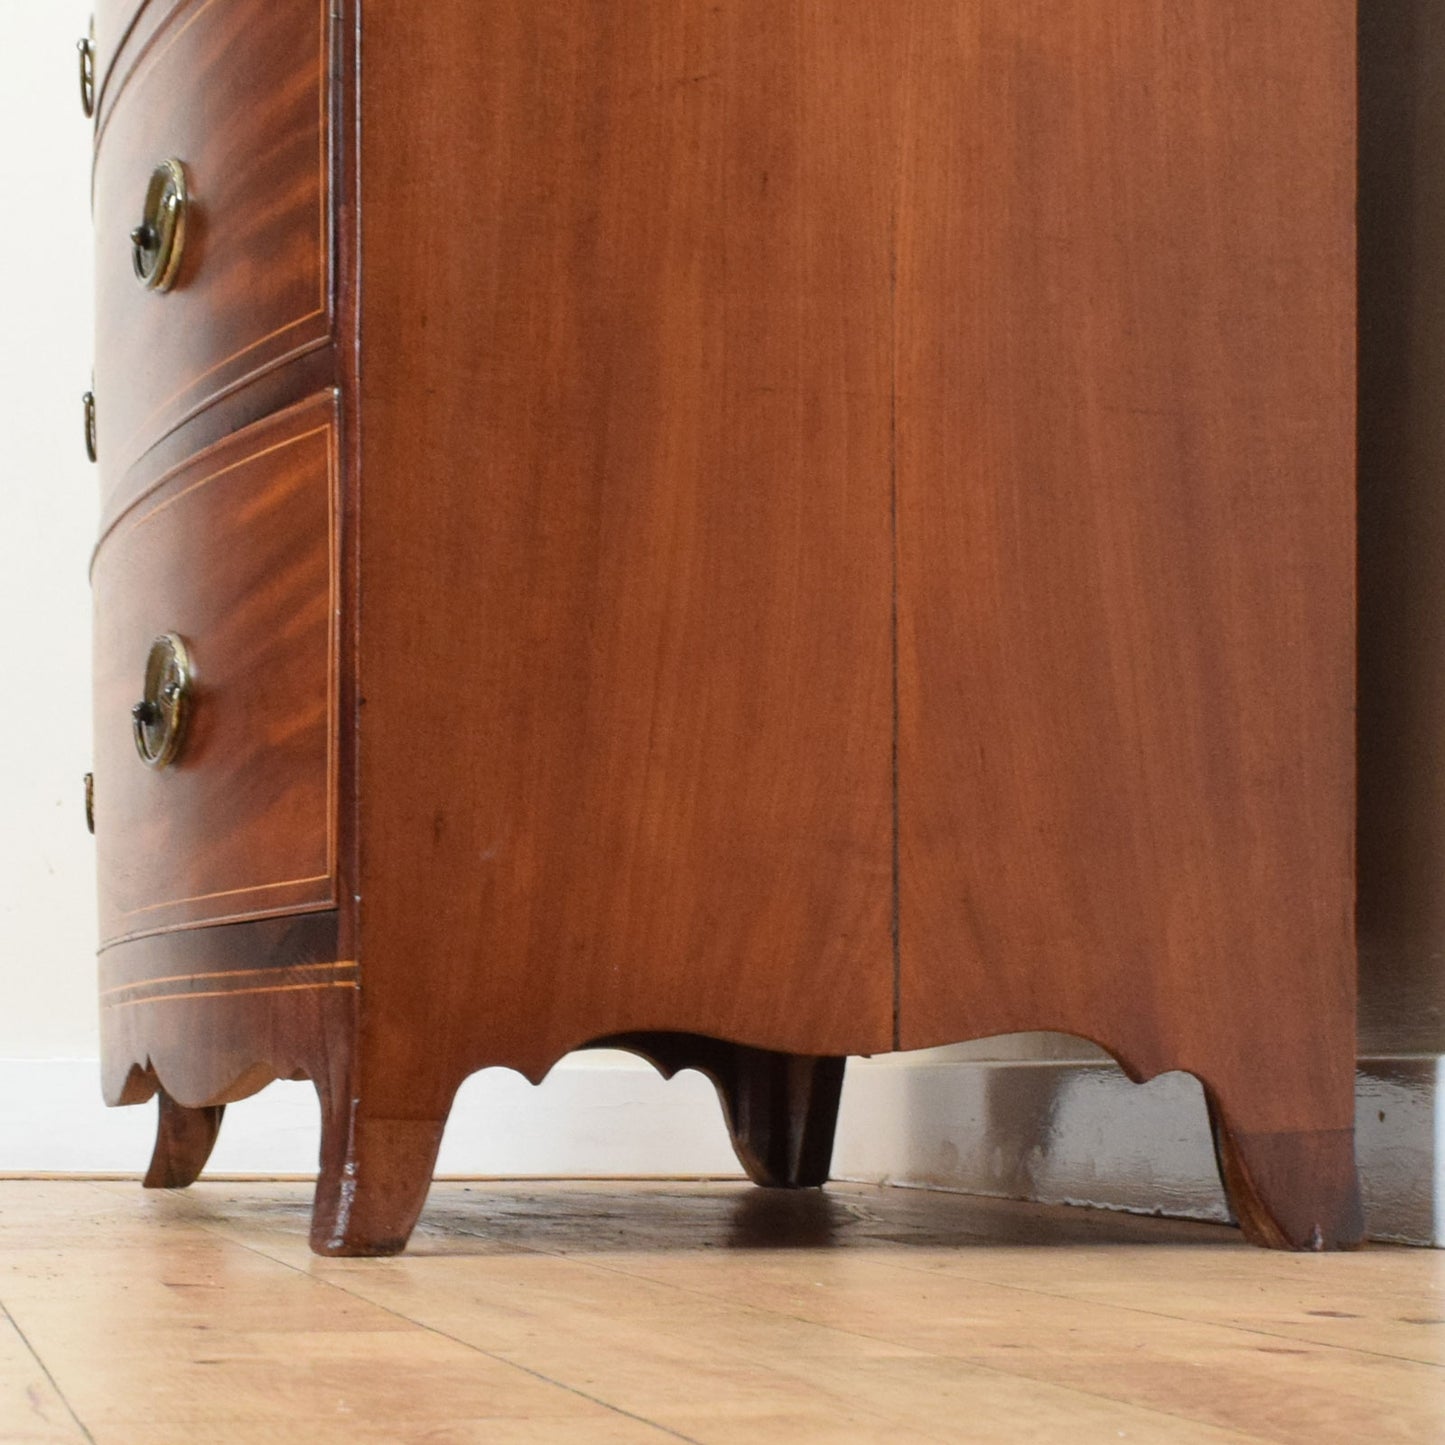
<point>1081,1133</point>
<point>597,1114</point>
<point>1056,1131</point>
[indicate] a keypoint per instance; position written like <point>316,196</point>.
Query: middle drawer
<point>231,100</point>
<point>216,676</point>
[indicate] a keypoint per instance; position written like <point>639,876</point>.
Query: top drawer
<point>237,92</point>
<point>115,22</point>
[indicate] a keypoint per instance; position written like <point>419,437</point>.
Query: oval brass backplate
<point>158,243</point>
<point>159,719</point>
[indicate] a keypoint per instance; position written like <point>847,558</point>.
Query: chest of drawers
<point>750,532</point>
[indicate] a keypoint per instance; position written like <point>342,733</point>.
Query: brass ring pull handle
<point>87,75</point>
<point>87,403</point>
<point>159,719</point>
<point>160,239</point>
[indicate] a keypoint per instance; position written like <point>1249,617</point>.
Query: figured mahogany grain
<point>123,28</point>
<point>209,1015</point>
<point>234,552</point>
<point>238,91</point>
<point>277,390</point>
<point>205,1051</point>
<point>222,956</point>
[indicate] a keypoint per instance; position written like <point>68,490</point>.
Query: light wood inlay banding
<point>244,825</point>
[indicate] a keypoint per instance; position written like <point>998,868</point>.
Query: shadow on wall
<point>1402,527</point>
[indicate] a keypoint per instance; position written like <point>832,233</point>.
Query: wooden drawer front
<point>237,91</point>
<point>234,553</point>
<point>121,30</point>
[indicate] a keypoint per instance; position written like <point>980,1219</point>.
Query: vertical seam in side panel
<point>893,617</point>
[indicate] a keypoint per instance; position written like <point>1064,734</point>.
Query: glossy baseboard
<point>1060,1131</point>
<point>1078,1132</point>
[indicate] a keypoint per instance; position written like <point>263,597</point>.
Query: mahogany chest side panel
<point>1126,501</point>
<point>634,544</point>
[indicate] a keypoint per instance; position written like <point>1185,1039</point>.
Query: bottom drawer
<point>217,800</point>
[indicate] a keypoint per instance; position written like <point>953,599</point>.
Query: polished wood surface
<point>238,91</point>
<point>205,1045</point>
<point>199,956</point>
<point>234,552</point>
<point>1081,394</point>
<point>592,1313</point>
<point>123,28</point>
<point>659,796</point>
<point>842,542</point>
<point>184,1140</point>
<point>276,391</point>
<point>1126,750</point>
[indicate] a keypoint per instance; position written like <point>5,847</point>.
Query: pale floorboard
<point>715,1313</point>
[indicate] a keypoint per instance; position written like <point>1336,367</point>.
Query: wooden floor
<point>604,1313</point>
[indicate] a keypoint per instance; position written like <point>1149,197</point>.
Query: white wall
<point>47,524</point>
